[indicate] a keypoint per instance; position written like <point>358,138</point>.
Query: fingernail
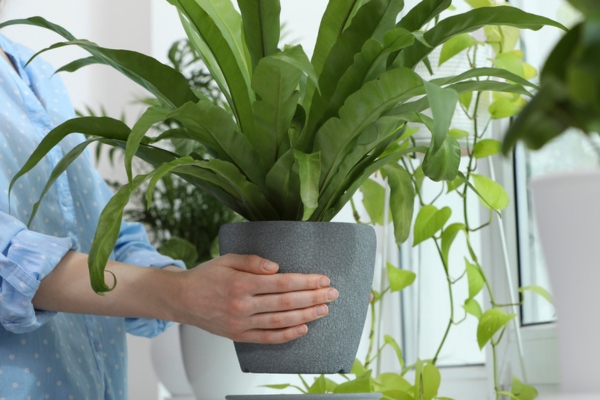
<point>270,266</point>
<point>324,282</point>
<point>301,330</point>
<point>322,310</point>
<point>332,294</point>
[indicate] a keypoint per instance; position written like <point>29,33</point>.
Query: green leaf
<point>361,384</point>
<point>443,105</point>
<point>319,386</point>
<point>443,165</point>
<point>150,117</point>
<point>389,381</point>
<point>310,171</point>
<point>78,64</point>
<point>480,3</point>
<point>539,291</point>
<point>391,342</point>
<point>422,13</point>
<point>283,183</point>
<point>448,237</point>
<point>470,22</point>
<point>458,133</point>
<point>373,200</point>
<point>91,126</point>
<point>296,57</point>
<point>357,368</point>
<point>456,45</point>
<point>213,127</point>
<point>472,307</point>
<point>230,64</point>
<point>402,200</point>
<point>429,221</point>
<point>503,108</point>
<point>60,168</point>
<point>511,61</point>
<point>371,18</point>
<point>475,279</point>
<point>491,322</point>
<point>261,27</point>
<point>180,249</point>
<point>399,278</point>
<point>338,136</point>
<point>431,380</point>
<point>522,391</point>
<point>465,99</point>
<point>455,184</point>
<point>275,83</point>
<point>494,194</point>
<point>486,148</point>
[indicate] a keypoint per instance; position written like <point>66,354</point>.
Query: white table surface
<point>573,396</point>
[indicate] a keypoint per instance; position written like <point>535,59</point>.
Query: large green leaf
<point>443,165</point>
<point>494,194</point>
<point>213,127</point>
<point>229,22</point>
<point>275,83</point>
<point>370,19</point>
<point>261,27</point>
<point>422,13</point>
<point>469,22</point>
<point>338,136</point>
<point>402,200</point>
<point>373,200</point>
<point>283,183</point>
<point>167,84</point>
<point>150,117</point>
<point>399,278</point>
<point>442,103</point>
<point>337,15</point>
<point>217,48</point>
<point>106,127</point>
<point>448,237</point>
<point>309,171</point>
<point>456,45</point>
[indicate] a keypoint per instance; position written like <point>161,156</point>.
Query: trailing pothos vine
<point>432,223</point>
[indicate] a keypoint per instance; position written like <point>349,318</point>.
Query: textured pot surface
<point>568,218</point>
<point>343,252</point>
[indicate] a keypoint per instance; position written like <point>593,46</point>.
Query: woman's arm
<point>239,297</point>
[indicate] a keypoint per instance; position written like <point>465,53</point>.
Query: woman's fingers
<point>271,303</point>
<point>284,283</point>
<point>287,319</point>
<point>273,336</point>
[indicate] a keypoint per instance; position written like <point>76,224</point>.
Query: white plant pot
<point>167,361</point>
<point>568,218</point>
<point>213,369</point>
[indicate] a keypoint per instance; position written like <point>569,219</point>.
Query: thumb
<point>250,263</point>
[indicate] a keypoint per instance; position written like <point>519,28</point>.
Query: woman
<point>58,339</point>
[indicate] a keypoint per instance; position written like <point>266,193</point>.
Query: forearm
<point>140,292</point>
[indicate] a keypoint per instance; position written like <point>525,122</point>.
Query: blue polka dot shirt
<point>48,355</point>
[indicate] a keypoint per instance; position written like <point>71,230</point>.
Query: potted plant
<point>297,138</point>
<point>565,204</point>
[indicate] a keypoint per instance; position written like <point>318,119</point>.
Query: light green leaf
<point>361,384</point>
<point>465,99</point>
<point>431,379</point>
<point>357,368</point>
<point>389,381</point>
<point>443,105</point>
<point>503,108</point>
<point>429,221</point>
<point>495,196</point>
<point>391,342</point>
<point>475,278</point>
<point>402,200</point>
<point>443,165</point>
<point>319,386</point>
<point>510,61</point>
<point>399,278</point>
<point>480,3</point>
<point>491,322</point>
<point>539,291</point>
<point>448,237</point>
<point>373,200</point>
<point>456,45</point>
<point>458,133</point>
<point>310,171</point>
<point>455,184</point>
<point>522,391</point>
<point>472,307</point>
<point>486,147</point>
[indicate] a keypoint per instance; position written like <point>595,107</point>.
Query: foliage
<point>296,138</point>
<point>444,226</point>
<point>569,93</point>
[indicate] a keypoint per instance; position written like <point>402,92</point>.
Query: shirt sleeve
<point>133,247</point>
<point>26,257</point>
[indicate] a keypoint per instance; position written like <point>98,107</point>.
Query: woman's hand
<point>242,298</point>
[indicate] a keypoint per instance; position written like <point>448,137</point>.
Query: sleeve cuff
<point>30,257</point>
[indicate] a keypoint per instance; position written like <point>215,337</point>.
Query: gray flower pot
<point>343,252</point>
